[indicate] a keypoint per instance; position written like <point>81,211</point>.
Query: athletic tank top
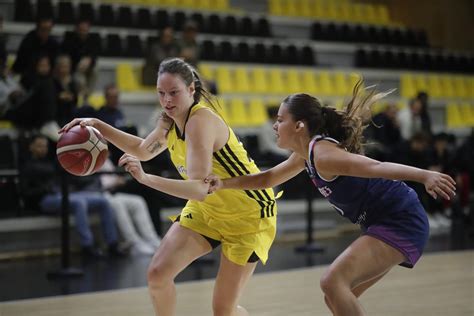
<point>230,161</point>
<point>362,200</point>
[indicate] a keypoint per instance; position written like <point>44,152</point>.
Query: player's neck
<point>300,146</point>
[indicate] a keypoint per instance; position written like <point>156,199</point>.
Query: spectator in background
<point>113,115</point>
<point>271,153</point>
<point>188,45</point>
<point>417,153</point>
<point>131,214</point>
<point>36,43</point>
<point>385,132</point>
<point>36,109</point>
<point>83,50</point>
<point>165,47</point>
<point>67,90</point>
<point>11,92</point>
<point>41,191</point>
<point>414,119</point>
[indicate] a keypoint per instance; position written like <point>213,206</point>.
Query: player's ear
<point>299,124</point>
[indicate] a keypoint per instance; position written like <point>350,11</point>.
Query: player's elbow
<point>200,191</point>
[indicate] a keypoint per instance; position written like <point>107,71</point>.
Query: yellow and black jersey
<point>230,161</point>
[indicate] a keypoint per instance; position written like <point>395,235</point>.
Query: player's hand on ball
<point>215,183</point>
<point>439,184</point>
<point>133,166</point>
<point>78,121</point>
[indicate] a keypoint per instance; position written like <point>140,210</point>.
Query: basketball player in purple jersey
<point>327,143</point>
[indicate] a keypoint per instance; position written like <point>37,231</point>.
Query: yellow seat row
<point>332,10</point>
<point>459,115</point>
<point>268,81</point>
<point>214,5</point>
<point>437,86</point>
<point>238,112</point>
<point>128,78</point>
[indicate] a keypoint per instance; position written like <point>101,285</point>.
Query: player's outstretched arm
<point>143,149</point>
<point>262,180</point>
<point>334,161</point>
<point>185,189</point>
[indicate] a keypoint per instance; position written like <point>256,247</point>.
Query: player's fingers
<point>450,180</point>
<point>443,193</point>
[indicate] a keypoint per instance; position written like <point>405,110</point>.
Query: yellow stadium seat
<point>382,15</point>
<point>371,13</point>
<point>461,90</point>
<point>224,80</point>
<point>275,7</point>
<point>222,108</point>
<point>421,83</point>
<point>318,10</point>
<point>238,116</point>
<point>447,85</point>
<point>453,116</point>
<point>206,71</point>
<point>258,80</point>
<point>289,8</point>
<point>332,11</point>
<point>304,8</point>
<point>467,112</point>
<point>354,77</point>
<point>341,84</point>
<point>204,4</point>
<point>309,82</point>
<point>221,5</point>
<point>344,11</point>
<point>325,83</point>
<point>435,88</point>
<point>258,112</point>
<point>407,85</point>
<point>358,13</point>
<point>277,85</point>
<point>293,82</point>
<point>126,78</point>
<point>242,83</point>
<point>96,100</point>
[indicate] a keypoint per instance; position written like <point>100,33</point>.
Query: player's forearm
<point>250,182</point>
<point>395,171</point>
<point>124,141</point>
<point>185,189</point>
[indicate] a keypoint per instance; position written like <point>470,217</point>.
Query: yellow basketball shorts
<point>239,237</point>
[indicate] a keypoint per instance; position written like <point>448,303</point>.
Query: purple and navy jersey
<point>362,200</point>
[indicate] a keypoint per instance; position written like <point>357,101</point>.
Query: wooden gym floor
<point>441,284</point>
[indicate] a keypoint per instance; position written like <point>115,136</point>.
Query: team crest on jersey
<point>181,169</point>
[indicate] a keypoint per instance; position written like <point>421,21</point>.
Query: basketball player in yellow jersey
<point>200,143</point>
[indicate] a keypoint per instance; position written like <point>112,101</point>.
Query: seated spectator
<point>414,119</point>
<point>131,214</point>
<point>83,51</point>
<point>36,43</point>
<point>113,115</point>
<point>34,108</point>
<point>188,45</point>
<point>385,132</point>
<point>67,90</point>
<point>165,47</point>
<point>41,191</point>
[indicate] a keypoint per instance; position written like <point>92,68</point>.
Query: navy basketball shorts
<point>406,230</point>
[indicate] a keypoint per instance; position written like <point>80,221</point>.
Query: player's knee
<point>158,276</point>
<point>328,283</point>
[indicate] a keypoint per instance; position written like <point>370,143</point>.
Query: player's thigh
<point>177,250</point>
<point>231,280</point>
<point>365,259</point>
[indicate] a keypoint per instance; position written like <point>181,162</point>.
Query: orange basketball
<point>82,150</point>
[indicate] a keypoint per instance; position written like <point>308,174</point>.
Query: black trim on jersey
<point>267,205</point>
<point>178,133</point>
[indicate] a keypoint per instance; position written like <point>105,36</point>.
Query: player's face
<point>284,127</point>
<point>175,96</point>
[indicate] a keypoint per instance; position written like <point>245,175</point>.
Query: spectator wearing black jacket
<point>36,43</point>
